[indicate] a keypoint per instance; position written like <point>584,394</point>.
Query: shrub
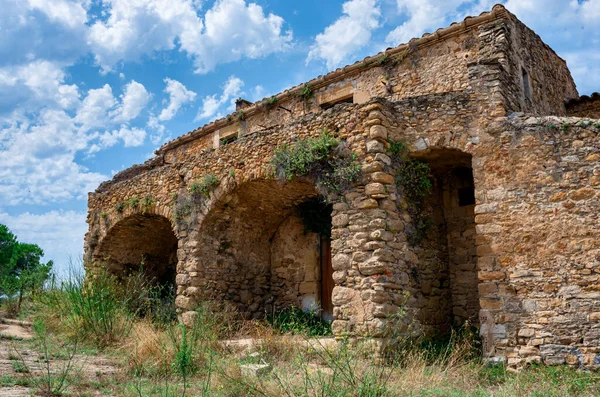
<point>323,158</point>
<point>206,185</point>
<point>297,321</point>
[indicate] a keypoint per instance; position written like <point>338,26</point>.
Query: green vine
<point>413,178</point>
<point>324,159</point>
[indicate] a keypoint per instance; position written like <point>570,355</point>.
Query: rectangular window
<point>327,105</point>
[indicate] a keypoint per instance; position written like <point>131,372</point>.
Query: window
<point>328,105</point>
<point>229,139</point>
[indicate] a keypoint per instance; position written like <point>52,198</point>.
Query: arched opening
<point>257,251</point>
<point>446,278</point>
<point>143,243</point>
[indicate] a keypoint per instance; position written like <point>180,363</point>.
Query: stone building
<point>513,246</point>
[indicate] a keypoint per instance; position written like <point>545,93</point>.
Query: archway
<point>256,251</point>
<point>447,281</point>
<point>141,242</point>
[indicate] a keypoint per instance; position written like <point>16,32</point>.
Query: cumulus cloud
<point>179,95</point>
<point>38,150</point>
<point>230,30</point>
<point>133,100</point>
<point>37,83</point>
<point>351,32</point>
<point>216,105</point>
<point>422,16</point>
<point>59,233</point>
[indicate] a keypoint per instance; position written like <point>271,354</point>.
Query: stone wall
<point>537,232</point>
<point>585,107</point>
<point>537,81</point>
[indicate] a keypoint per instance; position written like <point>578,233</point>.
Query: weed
<point>596,125</point>
<point>306,92</point>
<point>147,202</point>
<point>94,309</point>
<point>133,202</point>
<point>552,126</point>
<point>119,207</point>
<point>297,321</point>
<point>232,173</point>
<point>50,381</point>
<point>564,127</point>
<point>19,367</point>
<point>240,115</point>
<point>184,206</point>
<point>103,215</point>
<point>322,158</point>
<point>206,185</point>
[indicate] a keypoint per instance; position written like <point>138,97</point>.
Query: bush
<point>206,185</point>
<point>296,321</point>
<point>324,159</point>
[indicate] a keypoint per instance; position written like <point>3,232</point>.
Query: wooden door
<point>326,279</point>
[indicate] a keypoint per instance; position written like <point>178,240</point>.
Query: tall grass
<point>92,309</point>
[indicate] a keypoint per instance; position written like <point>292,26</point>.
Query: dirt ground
<point>19,360</point>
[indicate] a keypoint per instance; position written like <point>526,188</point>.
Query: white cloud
<point>34,84</point>
<point>94,109</point>
<point>130,136</point>
<point>231,30</point>
<point>214,105</point>
<point>423,15</point>
<point>133,101</point>
<point>59,233</point>
<point>179,95</point>
<point>37,160</point>
<point>348,34</point>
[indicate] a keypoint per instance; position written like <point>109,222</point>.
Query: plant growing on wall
<point>325,159</point>
<point>414,183</point>
<point>203,187</point>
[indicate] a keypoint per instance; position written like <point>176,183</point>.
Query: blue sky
<point>90,87</point>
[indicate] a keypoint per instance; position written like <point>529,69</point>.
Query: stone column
<point>367,243</point>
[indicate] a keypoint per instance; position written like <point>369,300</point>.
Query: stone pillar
<point>367,243</point>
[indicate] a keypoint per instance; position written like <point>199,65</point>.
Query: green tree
<point>21,268</point>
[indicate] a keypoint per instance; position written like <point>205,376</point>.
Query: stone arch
<point>446,279</point>
<point>140,241</point>
<point>253,249</point>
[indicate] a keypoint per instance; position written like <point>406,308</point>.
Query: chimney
<point>242,104</point>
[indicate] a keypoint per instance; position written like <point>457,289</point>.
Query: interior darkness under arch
<point>141,242</point>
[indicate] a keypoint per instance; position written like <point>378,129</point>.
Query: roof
<point>582,99</point>
<point>497,12</point>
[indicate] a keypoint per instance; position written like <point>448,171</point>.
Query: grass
<point>163,358</point>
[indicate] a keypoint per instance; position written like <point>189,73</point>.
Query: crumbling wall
<point>586,106</point>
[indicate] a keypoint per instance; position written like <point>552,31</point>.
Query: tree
<point>21,267</point>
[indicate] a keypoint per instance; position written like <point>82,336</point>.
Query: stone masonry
<point>514,242</point>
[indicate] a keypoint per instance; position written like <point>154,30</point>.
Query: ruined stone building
<point>514,239</point>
